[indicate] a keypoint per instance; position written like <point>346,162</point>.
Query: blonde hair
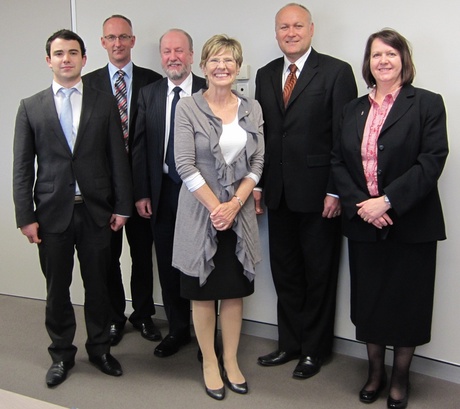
<point>218,43</point>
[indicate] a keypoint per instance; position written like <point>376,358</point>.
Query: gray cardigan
<point>196,147</point>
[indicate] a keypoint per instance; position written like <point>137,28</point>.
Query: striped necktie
<point>122,101</point>
<point>290,83</point>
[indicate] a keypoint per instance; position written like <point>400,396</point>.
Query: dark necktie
<point>66,117</point>
<point>122,101</point>
<point>172,172</point>
<point>290,83</point>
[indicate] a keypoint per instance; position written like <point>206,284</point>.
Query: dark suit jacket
<point>148,149</point>
<point>412,150</point>
<point>98,162</point>
<point>299,138</point>
<point>100,79</point>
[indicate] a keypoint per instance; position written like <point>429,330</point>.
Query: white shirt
<point>186,87</point>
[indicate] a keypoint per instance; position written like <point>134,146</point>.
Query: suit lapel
<point>134,92</point>
<point>308,72</point>
<point>276,81</point>
<point>87,106</point>
<point>403,102</point>
<point>160,113</point>
<point>362,112</point>
<point>51,117</point>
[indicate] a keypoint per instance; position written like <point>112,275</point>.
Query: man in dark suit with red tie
<point>118,40</point>
<point>156,184</point>
<point>302,95</point>
<point>72,188</point>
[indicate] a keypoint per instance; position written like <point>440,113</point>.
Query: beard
<point>176,73</point>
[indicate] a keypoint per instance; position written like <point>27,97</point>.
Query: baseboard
<point>426,366</point>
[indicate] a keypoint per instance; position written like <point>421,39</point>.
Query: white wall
<point>341,30</point>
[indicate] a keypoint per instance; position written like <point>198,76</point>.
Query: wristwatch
<point>385,197</point>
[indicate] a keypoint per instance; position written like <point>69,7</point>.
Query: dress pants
<point>304,258</point>
<point>177,308</point>
<point>140,239</point>
<point>56,252</point>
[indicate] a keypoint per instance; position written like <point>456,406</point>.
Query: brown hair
<point>398,42</point>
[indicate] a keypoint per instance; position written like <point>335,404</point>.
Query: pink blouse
<point>375,120</point>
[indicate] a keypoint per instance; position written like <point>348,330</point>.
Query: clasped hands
<point>374,211</point>
<point>224,214</point>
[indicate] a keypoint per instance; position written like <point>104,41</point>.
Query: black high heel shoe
<point>366,396</point>
<point>217,394</point>
<point>241,388</point>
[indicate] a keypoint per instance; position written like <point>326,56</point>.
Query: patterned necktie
<point>172,172</point>
<point>66,117</point>
<point>290,83</point>
<point>122,101</point>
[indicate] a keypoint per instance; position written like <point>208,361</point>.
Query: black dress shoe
<point>217,394</point>
<point>277,358</point>
<point>107,364</point>
<point>58,372</point>
<point>170,345</point>
<point>241,388</point>
<point>116,333</point>
<point>148,330</point>
<point>398,404</point>
<point>307,367</point>
<point>366,396</point>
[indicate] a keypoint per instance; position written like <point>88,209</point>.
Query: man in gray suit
<point>80,192</point>
<point>118,40</point>
<point>156,188</point>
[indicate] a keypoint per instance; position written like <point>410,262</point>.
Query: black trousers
<point>304,258</point>
<point>140,239</point>
<point>56,252</point>
<point>177,308</point>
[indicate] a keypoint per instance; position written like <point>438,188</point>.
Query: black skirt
<point>225,281</point>
<point>392,288</point>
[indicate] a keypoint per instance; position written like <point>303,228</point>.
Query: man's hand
<point>332,207</point>
<point>117,222</point>
<point>31,232</point>
<point>257,194</point>
<point>144,208</point>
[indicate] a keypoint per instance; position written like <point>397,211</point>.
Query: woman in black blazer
<point>386,164</point>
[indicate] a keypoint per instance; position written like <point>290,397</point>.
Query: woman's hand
<point>374,211</point>
<point>224,214</point>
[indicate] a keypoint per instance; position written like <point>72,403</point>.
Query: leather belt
<point>79,199</point>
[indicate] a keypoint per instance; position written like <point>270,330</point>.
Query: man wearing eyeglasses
<point>124,79</point>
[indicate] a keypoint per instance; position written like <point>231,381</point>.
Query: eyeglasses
<point>123,37</point>
<point>228,62</point>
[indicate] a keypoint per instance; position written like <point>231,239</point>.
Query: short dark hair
<point>65,35</point>
<point>398,42</point>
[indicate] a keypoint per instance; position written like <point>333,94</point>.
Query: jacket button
<point>379,172</point>
<point>381,147</point>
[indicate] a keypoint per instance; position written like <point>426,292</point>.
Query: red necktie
<point>290,83</point>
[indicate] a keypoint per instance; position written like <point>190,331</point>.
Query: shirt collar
<point>78,86</point>
<point>299,63</point>
<point>113,71</point>
<point>186,85</point>
<point>393,95</point>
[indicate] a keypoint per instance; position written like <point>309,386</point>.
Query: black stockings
<point>400,374</point>
<point>376,375</point>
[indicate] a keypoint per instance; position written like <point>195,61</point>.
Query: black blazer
<point>299,138</point>
<point>100,79</point>
<point>412,150</point>
<point>98,162</point>
<point>148,149</point>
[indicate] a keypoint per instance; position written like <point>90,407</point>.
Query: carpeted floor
<point>176,382</point>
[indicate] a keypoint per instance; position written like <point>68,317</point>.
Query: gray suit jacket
<point>98,162</point>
